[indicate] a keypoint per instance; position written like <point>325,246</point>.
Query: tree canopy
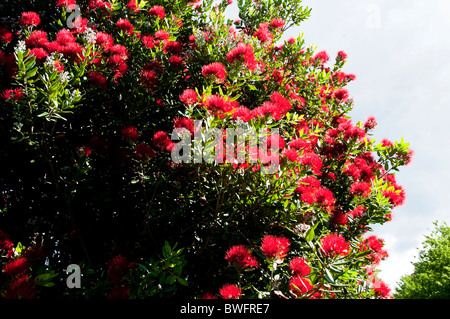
<point>431,276</point>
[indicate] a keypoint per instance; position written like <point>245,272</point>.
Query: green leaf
<point>32,72</point>
<point>182,281</point>
<point>171,280</point>
<point>329,277</point>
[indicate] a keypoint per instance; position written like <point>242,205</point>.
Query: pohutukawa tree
<point>95,109</point>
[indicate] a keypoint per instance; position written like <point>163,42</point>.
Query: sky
<point>398,50</point>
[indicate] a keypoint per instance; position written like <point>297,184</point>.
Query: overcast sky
<point>398,50</point>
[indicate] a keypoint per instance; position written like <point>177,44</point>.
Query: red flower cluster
<point>130,133</point>
<point>6,245</point>
<point>189,97</point>
<point>162,141</point>
<point>184,122</point>
<point>29,19</point>
<point>133,6</point>
<point>376,245</point>
<point>117,268</point>
<point>5,35</point>
<point>215,70</point>
<point>12,94</point>
<point>299,267</point>
<point>240,257</point>
<point>65,3</point>
<point>381,290</point>
<point>16,267</point>
<point>360,189</point>
<point>143,152</point>
<point>397,195</point>
<point>242,53</point>
<point>125,25</point>
<point>334,245</point>
<point>21,287</point>
<point>263,34</point>
<point>310,191</point>
<point>157,11</point>
<point>275,247</point>
<point>230,292</point>
<point>277,107</point>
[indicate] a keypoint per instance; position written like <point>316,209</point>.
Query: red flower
<point>341,95</point>
<point>275,247</point>
<point>396,197</point>
<point>39,53</point>
<point>334,245</point>
<point>125,25</point>
<point>104,40</point>
<point>300,286</point>
<point>230,292</point>
<point>149,79</point>
<point>208,295</point>
<point>360,189</point>
<point>147,40</point>
<point>263,34</point>
<point>300,144</point>
<point>240,257</point>
<point>173,47</point>
<point>66,3</point>
<point>120,50</point>
<point>161,140</point>
<point>22,287</point>
<point>313,161</point>
<point>5,35</point>
<point>157,11</point>
<point>380,289</point>
<point>299,267</point>
<point>386,143</point>
<point>16,266</point>
<point>370,123</point>
<point>324,197</point>
<point>243,53</point>
<point>86,150</point>
<point>375,244</point>
<point>184,122</point>
<point>341,56</point>
<point>29,19</point>
<point>188,97</point>
<point>216,102</point>
<point>322,57</point>
<point>339,218</point>
<point>143,152</point>
<point>12,94</point>
<point>176,61</point>
<point>278,105</point>
<point>162,35</point>
<point>357,212</point>
<point>72,51</point>
<point>97,79</point>
<point>130,133</point>
<point>117,268</point>
<point>307,189</point>
<point>277,23</point>
<point>215,70</point>
<point>65,37</point>
<point>242,113</point>
<point>133,6</point>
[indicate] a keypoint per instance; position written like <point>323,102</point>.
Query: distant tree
<point>431,276</point>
